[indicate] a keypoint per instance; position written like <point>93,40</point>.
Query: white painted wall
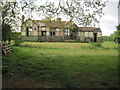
<point>86,34</point>
<point>90,34</point>
<point>99,34</point>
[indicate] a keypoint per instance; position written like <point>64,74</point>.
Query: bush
<point>97,44</point>
<point>17,42</point>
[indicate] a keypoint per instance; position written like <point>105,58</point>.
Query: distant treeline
<point>115,35</point>
<point>108,38</point>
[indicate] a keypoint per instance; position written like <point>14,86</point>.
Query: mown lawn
<point>65,65</point>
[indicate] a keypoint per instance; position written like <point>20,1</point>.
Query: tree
<point>15,35</point>
<point>118,27</point>
<point>10,17</point>
<point>28,7</point>
<point>116,33</point>
<point>6,32</point>
<point>82,12</point>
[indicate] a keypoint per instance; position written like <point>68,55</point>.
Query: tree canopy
<point>116,33</point>
<point>118,27</point>
<point>85,13</point>
<point>10,17</point>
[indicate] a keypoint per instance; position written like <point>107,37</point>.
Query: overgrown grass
<point>17,42</point>
<point>72,65</point>
<point>62,45</point>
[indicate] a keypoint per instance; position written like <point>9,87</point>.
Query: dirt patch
<point>19,81</point>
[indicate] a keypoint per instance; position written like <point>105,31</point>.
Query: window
<point>52,33</point>
<point>43,33</point>
<point>29,31</point>
<point>67,32</point>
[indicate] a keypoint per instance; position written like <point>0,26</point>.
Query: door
<point>95,37</point>
<point>27,31</point>
<point>43,33</point>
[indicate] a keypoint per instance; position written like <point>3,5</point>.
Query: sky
<point>109,21</point>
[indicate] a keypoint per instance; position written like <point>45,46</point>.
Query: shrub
<point>97,44</point>
<point>17,42</point>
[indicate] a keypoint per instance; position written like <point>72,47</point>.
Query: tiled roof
<point>89,29</point>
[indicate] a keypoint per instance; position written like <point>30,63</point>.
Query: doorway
<point>27,32</point>
<point>95,37</point>
<point>43,33</point>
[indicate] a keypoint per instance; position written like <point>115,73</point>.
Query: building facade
<point>89,34</point>
<point>37,30</point>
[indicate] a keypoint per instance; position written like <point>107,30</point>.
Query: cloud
<point>113,0</point>
<point>110,20</point>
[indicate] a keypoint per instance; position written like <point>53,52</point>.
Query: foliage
<point>113,36</point>
<point>116,34</point>
<point>82,12</point>
<point>86,13</point>
<point>6,32</point>
<point>97,44</point>
<point>118,27</point>
<point>9,18</point>
<point>70,66</point>
<point>15,35</point>
<point>108,38</point>
<point>17,42</point>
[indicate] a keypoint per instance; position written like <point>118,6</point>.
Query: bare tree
<point>86,13</point>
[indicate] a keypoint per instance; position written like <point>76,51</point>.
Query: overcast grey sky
<point>110,20</point>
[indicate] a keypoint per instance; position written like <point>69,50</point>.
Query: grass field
<point>63,65</point>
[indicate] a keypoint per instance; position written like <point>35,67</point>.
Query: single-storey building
<point>89,34</point>
<point>39,30</point>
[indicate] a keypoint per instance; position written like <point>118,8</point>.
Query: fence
<point>6,48</point>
